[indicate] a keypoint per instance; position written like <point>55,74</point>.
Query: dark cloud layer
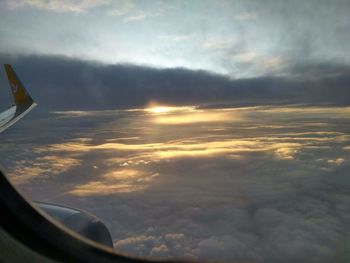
<point>64,83</point>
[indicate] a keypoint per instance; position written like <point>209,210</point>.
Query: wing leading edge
<point>23,101</point>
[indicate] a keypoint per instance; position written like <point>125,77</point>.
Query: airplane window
<point>196,130</point>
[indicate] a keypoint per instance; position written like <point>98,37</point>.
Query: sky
<point>237,38</point>
<point>213,130</point>
<point>177,52</point>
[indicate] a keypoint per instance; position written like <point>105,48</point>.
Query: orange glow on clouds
<point>170,115</point>
<point>168,109</point>
<point>196,117</point>
<point>130,158</point>
<point>119,181</point>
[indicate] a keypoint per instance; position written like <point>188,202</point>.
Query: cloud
<point>260,63</point>
<point>337,161</point>
<point>265,183</point>
<point>252,58</point>
<point>136,245</point>
<point>196,117</point>
<point>123,9</point>
<point>285,36</point>
<point>152,246</point>
<point>175,37</point>
<point>246,16</point>
<point>121,181</point>
<point>215,43</point>
<point>141,15</point>
<point>123,173</point>
<point>43,167</point>
<point>268,187</point>
<point>76,84</point>
<point>80,6</point>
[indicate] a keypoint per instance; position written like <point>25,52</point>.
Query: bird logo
<point>14,87</point>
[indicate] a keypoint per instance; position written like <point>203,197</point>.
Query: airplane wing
<point>81,222</point>
<point>27,234</point>
<point>23,103</point>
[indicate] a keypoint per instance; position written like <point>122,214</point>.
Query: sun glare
<point>168,109</point>
<point>161,109</point>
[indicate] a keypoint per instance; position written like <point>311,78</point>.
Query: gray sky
<point>238,38</point>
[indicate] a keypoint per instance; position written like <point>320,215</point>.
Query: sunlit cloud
<point>171,115</point>
<point>43,167</point>
<point>126,171</point>
<point>333,112</point>
<point>121,181</point>
<point>284,145</point>
<point>337,161</point>
<point>209,116</point>
<point>124,139</point>
<point>236,147</point>
<point>75,113</point>
<point>264,170</point>
<point>168,109</point>
<point>80,113</point>
<point>103,188</point>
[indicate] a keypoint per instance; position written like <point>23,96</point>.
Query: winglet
<point>21,97</point>
<point>23,102</point>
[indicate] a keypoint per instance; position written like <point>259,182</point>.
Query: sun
<point>161,109</point>
<point>167,109</point>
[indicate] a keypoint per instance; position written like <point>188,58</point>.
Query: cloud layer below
<point>258,184</point>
